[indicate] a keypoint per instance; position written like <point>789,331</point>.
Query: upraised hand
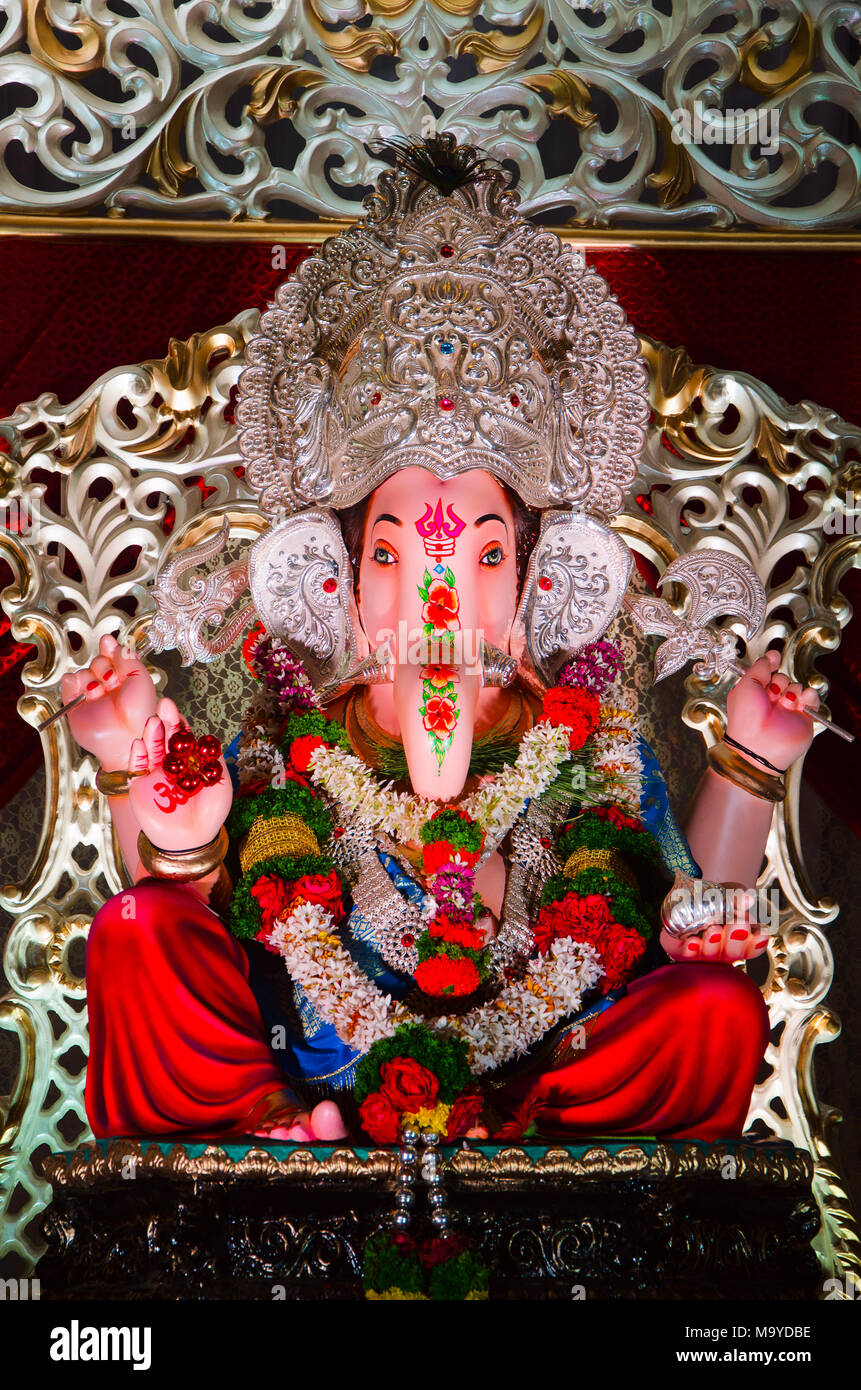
<point>119,697</point>
<point>765,713</point>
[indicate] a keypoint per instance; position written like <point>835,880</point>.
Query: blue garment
<point>657,816</point>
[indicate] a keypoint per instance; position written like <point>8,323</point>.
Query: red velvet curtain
<point>74,308</point>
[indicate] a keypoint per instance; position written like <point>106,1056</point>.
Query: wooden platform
<point>621,1219</point>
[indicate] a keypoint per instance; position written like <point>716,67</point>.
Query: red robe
<point>178,1044</point>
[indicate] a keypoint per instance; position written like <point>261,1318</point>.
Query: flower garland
<point>417,1080</point>
<point>361,1014</point>
<point>401,815</point>
<point>590,929</point>
<point>452,955</point>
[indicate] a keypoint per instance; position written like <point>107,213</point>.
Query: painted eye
<point>493,556</point>
<point>383,556</point>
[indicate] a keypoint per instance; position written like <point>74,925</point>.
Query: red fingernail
<point>737,935</point>
<point>789,695</point>
<point>760,945</point>
<point>93,685</point>
<point>774,688</point>
<point>714,939</point>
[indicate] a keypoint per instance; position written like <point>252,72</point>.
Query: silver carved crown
<point>446,332</point>
<point>443,331</point>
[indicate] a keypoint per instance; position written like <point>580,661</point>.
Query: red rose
<point>322,890</point>
<point>380,1119</point>
<point>441,975</point>
<point>619,948</point>
<point>409,1085</point>
<point>301,749</point>
<point>458,933</point>
<point>437,855</point>
<point>274,896</point>
<point>579,709</point>
<point>464,1115</point>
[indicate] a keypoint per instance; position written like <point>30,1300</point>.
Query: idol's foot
<point>324,1123</point>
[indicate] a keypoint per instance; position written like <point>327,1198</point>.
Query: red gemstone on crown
<point>446,250</point>
<point>515,400</point>
<point>408,940</point>
<point>446,403</point>
<point>545,583</point>
<point>338,831</point>
<point>545,842</point>
<point>376,398</point>
<point>329,586</point>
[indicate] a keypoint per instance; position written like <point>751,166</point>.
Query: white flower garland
<point>616,757</point>
<point>495,807</point>
<point>495,1033</point>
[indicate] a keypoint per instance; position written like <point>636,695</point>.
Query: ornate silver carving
<point>301,580</point>
<point>577,576</point>
<point>183,611</point>
<point>691,904</point>
<point>719,584</point>
<point>497,669</point>
<point>376,669</point>
<point>188,93</point>
<point>446,333</point>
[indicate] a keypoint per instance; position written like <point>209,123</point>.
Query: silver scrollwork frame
<point>165,110</point>
<point>147,430</point>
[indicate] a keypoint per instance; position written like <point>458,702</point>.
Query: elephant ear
<point>575,582</point>
<point>302,583</point>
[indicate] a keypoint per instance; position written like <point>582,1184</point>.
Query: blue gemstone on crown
<point>446,347</point>
<point>439,569</point>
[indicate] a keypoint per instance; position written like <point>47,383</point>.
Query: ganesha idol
<point>424,886</point>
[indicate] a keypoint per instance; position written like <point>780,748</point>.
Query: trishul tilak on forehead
<point>439,532</point>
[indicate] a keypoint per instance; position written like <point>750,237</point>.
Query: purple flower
<point>595,667</point>
<point>457,881</point>
<point>283,675</point>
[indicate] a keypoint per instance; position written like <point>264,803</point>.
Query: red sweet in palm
<point>192,763</point>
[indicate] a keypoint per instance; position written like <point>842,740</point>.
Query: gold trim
<point>114,783</point>
<point>183,866</point>
<point>88,1165</point>
<point>313,233</point>
<point>610,859</point>
<point>730,765</point>
<point>275,836</point>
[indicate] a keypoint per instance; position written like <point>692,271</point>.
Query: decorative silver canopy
<point>446,332</point>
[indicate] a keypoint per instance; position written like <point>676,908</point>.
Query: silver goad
<point>574,587</point>
<point>301,582</point>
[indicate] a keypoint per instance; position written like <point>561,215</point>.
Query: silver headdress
<point>443,331</point>
<point>448,333</point>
